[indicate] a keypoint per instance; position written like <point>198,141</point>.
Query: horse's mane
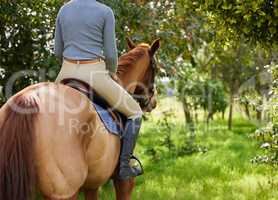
<point>129,58</point>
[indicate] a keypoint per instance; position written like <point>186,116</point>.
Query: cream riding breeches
<point>98,78</point>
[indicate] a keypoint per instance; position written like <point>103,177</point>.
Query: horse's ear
<point>155,46</point>
<point>130,43</point>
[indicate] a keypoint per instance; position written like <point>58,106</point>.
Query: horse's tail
<point>17,155</point>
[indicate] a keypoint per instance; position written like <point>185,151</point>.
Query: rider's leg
<point>97,76</point>
<point>131,133</point>
<point>123,102</point>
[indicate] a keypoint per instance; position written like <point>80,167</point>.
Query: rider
<point>86,46</point>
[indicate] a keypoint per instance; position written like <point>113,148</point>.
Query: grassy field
<point>224,172</point>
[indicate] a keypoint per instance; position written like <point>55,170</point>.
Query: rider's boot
<point>128,144</point>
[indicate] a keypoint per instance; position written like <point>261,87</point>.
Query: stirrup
<point>141,169</point>
<point>131,171</point>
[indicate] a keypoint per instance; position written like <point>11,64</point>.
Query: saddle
<point>113,120</point>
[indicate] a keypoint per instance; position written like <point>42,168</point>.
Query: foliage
<point>169,138</point>
<point>25,38</point>
<point>146,20</point>
<point>131,21</point>
<point>255,20</point>
<point>269,134</point>
<point>167,127</point>
<point>250,101</point>
<point>214,97</point>
<point>201,92</point>
<point>190,148</point>
<point>164,144</point>
<point>189,86</point>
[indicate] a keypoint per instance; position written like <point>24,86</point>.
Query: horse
<point>53,141</point>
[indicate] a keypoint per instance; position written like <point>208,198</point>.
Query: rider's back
<point>83,24</point>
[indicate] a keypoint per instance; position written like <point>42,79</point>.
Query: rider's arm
<point>110,48</point>
<point>59,44</point>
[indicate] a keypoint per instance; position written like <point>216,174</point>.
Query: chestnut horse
<point>52,140</point>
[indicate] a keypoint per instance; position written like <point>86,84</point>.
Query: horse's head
<point>137,71</point>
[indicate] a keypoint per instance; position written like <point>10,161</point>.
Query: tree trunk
<point>259,112</point>
<point>247,112</point>
<point>230,121</point>
<point>209,117</point>
<point>186,111</point>
<point>259,115</point>
<point>205,115</point>
<point>196,114</point>
<point>188,119</point>
<point>196,117</point>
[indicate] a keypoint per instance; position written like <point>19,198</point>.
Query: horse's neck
<point>127,81</point>
<point>131,77</point>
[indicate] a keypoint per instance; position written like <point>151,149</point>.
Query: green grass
<point>224,172</point>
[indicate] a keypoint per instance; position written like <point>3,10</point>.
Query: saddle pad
<point>108,120</point>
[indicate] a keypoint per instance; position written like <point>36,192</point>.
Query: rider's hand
<point>114,77</point>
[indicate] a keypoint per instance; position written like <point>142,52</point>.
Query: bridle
<point>140,95</point>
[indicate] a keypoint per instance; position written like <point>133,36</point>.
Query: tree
<point>197,91</point>
<point>234,67</point>
<point>25,39</point>
<point>256,21</point>
<point>214,98</point>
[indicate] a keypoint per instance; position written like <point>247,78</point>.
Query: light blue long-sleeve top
<point>85,30</point>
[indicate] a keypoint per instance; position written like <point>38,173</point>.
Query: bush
<point>170,138</point>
